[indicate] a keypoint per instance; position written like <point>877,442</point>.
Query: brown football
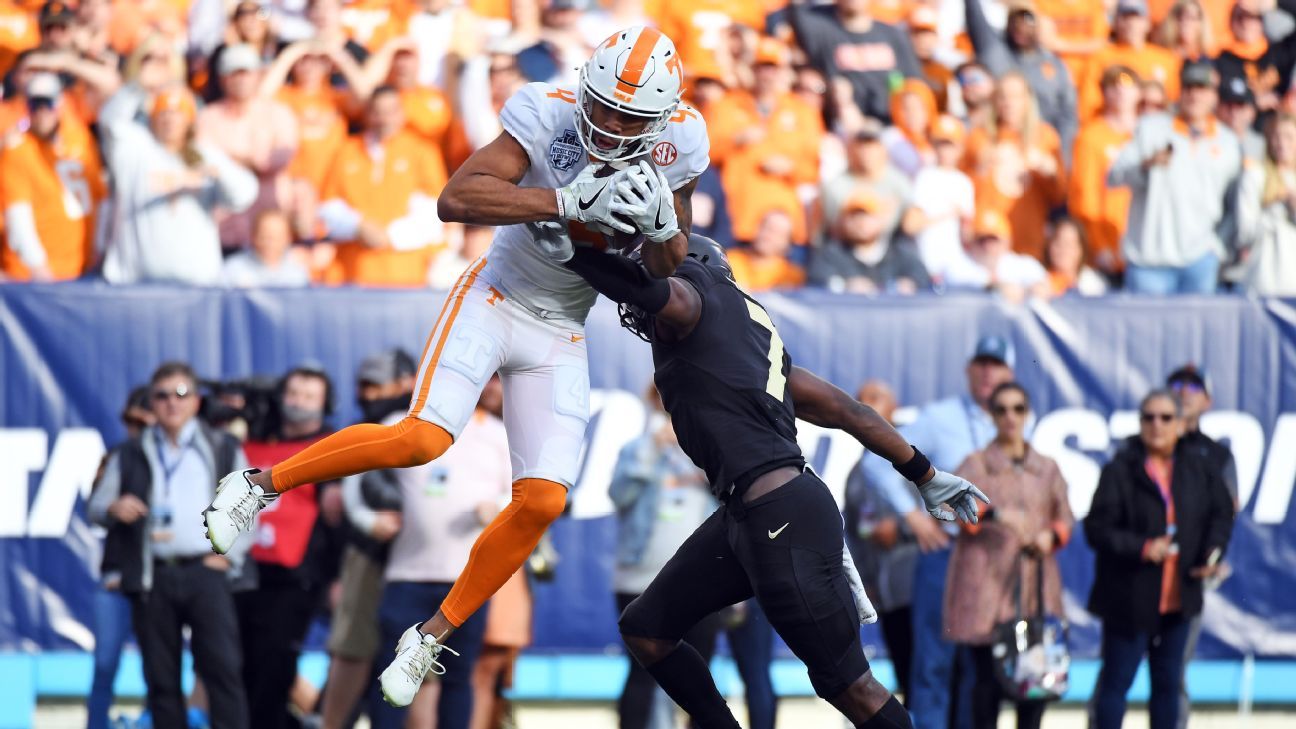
<point>597,236</point>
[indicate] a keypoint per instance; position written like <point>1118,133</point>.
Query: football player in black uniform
<point>734,396</point>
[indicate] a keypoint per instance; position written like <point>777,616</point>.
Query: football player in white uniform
<point>519,312</point>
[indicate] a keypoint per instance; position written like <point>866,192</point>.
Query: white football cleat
<point>416,654</point>
<point>237,503</point>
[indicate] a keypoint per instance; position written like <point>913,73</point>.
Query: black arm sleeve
<point>620,279</point>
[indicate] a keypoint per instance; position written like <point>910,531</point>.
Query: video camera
<point>254,400</point>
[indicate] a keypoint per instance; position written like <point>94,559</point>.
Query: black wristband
<point>620,279</point>
<point>915,468</point>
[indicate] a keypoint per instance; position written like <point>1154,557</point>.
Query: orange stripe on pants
<point>453,306</point>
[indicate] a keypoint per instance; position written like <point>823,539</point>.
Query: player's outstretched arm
<point>824,404</point>
<point>484,190</point>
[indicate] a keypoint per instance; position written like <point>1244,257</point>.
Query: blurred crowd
<point>1028,147</point>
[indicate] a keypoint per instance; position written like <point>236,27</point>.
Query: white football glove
<point>590,199</point>
<point>959,493</point>
<point>649,202</point>
<point>553,240</point>
<point>867,613</point>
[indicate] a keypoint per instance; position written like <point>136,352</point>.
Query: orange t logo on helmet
<point>636,72</point>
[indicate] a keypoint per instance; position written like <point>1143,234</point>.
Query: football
<point>602,237</point>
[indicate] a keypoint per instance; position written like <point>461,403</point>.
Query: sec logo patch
<point>664,154</point>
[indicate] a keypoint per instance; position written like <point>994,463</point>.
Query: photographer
<point>150,499</point>
<point>295,551</point>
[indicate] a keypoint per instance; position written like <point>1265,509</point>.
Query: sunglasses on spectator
<point>179,393</point>
<point>968,78</point>
<point>1153,417</point>
<point>37,103</point>
<point>1187,386</point>
<point>1241,14</point>
<point>1019,408</point>
<point>251,9</point>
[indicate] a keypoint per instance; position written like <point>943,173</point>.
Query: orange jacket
<point>791,129</point>
<point>380,192</point>
<point>761,274</point>
<point>63,183</point>
<point>321,127</point>
<point>1151,63</point>
<point>1102,210</point>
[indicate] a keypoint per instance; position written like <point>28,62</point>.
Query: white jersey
<point>542,118</point>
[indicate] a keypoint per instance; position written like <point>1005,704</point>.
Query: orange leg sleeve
<point>504,545</point>
<point>360,448</point>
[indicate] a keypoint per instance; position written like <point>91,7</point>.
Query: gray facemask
<point>298,415</point>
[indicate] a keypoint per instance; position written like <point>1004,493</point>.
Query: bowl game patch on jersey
<point>565,150</point>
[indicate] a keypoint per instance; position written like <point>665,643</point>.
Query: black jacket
<point>1218,455</point>
<point>1127,511</point>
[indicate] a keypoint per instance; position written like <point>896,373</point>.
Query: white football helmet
<point>636,71</point>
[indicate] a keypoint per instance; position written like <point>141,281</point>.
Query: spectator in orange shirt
<point>18,32</point>
<point>257,133</point>
<point>362,19</point>
<point>1129,48</point>
<point>1065,260</point>
<point>1016,165</point>
<point>1103,210</point>
<point>764,264</point>
<point>321,110</point>
<point>771,146</point>
<point>1185,32</point>
<point>428,112</point>
<point>53,185</point>
<point>922,34</point>
<point>448,33</point>
<point>86,85</point>
<point>380,199</point>
<point>700,30</point>
<point>135,20</point>
<point>1075,30</point>
<point>913,108</point>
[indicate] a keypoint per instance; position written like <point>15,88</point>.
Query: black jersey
<point>725,385</point>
